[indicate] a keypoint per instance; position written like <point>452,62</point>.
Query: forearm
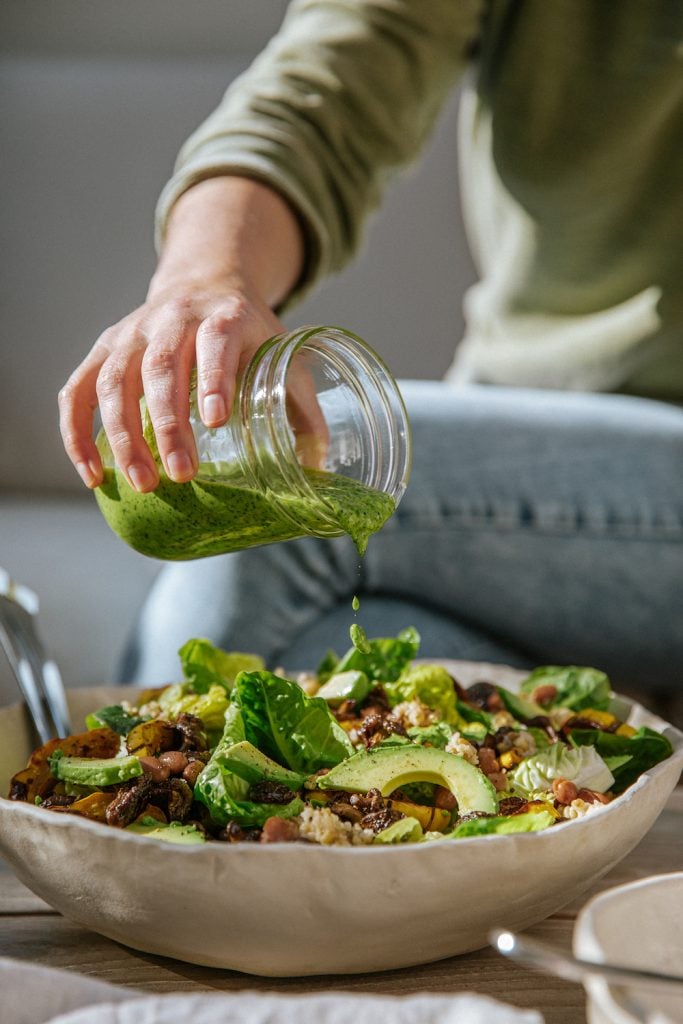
<point>232,252</point>
<point>231,232</point>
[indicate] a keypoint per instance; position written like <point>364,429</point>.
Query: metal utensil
<point>564,965</point>
<point>37,675</point>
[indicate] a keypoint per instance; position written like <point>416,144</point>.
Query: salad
<point>372,748</point>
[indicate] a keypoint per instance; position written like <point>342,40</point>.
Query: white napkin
<point>40,995</point>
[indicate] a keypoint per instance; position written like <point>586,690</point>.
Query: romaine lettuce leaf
<point>382,659</point>
<point>645,749</point>
<point>577,687</point>
<point>533,821</point>
<point>205,665</point>
<point>430,684</point>
<point>209,705</point>
<point>225,794</point>
<point>436,735</point>
<point>297,731</point>
<point>581,765</point>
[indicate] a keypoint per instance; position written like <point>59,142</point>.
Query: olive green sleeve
<point>346,92</point>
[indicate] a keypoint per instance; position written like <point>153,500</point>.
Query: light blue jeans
<point>538,527</point>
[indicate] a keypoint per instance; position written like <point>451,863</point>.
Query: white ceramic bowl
<point>287,909</point>
<point>636,925</point>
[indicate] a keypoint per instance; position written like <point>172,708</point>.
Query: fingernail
<point>179,466</point>
<point>141,477</point>
<point>88,473</point>
<point>214,409</point>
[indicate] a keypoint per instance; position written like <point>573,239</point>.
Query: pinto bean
<point>488,761</point>
<point>192,772</point>
<point>499,780</point>
<point>153,767</point>
<point>592,797</point>
<point>279,830</point>
<point>564,791</point>
<point>545,694</point>
<point>175,760</point>
<point>444,799</point>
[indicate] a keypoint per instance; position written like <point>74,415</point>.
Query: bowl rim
<point>550,835</point>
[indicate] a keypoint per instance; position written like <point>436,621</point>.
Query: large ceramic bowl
<point>288,909</point>
<point>637,925</point>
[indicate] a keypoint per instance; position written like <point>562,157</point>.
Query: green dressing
<point>214,514</point>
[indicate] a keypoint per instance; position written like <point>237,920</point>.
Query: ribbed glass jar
<point>318,444</point>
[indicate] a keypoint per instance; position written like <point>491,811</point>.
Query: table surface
<point>31,931</point>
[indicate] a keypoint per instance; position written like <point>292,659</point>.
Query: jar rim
<point>383,415</point>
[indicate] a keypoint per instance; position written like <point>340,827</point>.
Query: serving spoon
<point>571,968</point>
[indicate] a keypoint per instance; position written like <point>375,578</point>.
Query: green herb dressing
<point>213,515</point>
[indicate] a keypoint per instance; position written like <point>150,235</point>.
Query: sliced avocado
<point>247,761</point>
<point>351,685</point>
<point>405,830</point>
<point>96,771</point>
<point>174,832</point>
<point>521,708</point>
<point>389,768</point>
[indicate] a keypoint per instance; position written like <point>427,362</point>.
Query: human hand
<point>152,351</point>
<point>233,250</point>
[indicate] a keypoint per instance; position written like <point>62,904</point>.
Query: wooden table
<point>31,931</point>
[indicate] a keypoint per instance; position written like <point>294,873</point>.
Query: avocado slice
<point>174,832</point>
<point>522,708</point>
<point>389,768</point>
<point>405,830</point>
<point>95,771</point>
<point>250,764</point>
<point>351,685</point>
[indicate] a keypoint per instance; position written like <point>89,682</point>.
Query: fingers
<point>218,360</point>
<point>152,352</point>
<point>166,369</point>
<point>118,391</point>
<point>77,404</point>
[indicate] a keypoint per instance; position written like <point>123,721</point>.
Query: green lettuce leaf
<point>115,717</point>
<point>644,749</point>
<point>577,687</point>
<point>430,684</point>
<point>581,765</point>
<point>225,794</point>
<point>210,705</point>
<point>382,659</point>
<point>436,735</point>
<point>503,825</point>
<point>297,731</point>
<point>205,665</point>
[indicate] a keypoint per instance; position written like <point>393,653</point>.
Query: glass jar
<point>318,444</point>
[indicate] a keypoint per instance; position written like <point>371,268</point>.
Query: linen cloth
<point>40,995</point>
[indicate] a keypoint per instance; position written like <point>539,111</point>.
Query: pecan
<point>57,800</point>
<point>511,805</point>
<point>234,833</point>
<point>192,734</point>
<point>129,802</point>
<point>268,792</point>
<point>174,796</point>
<point>483,695</point>
<point>377,821</point>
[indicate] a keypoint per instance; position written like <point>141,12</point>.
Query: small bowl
<point>637,925</point>
<point>284,910</point>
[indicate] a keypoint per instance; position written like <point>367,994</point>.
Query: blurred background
<point>96,97</point>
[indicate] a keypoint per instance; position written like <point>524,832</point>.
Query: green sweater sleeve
<point>344,94</point>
